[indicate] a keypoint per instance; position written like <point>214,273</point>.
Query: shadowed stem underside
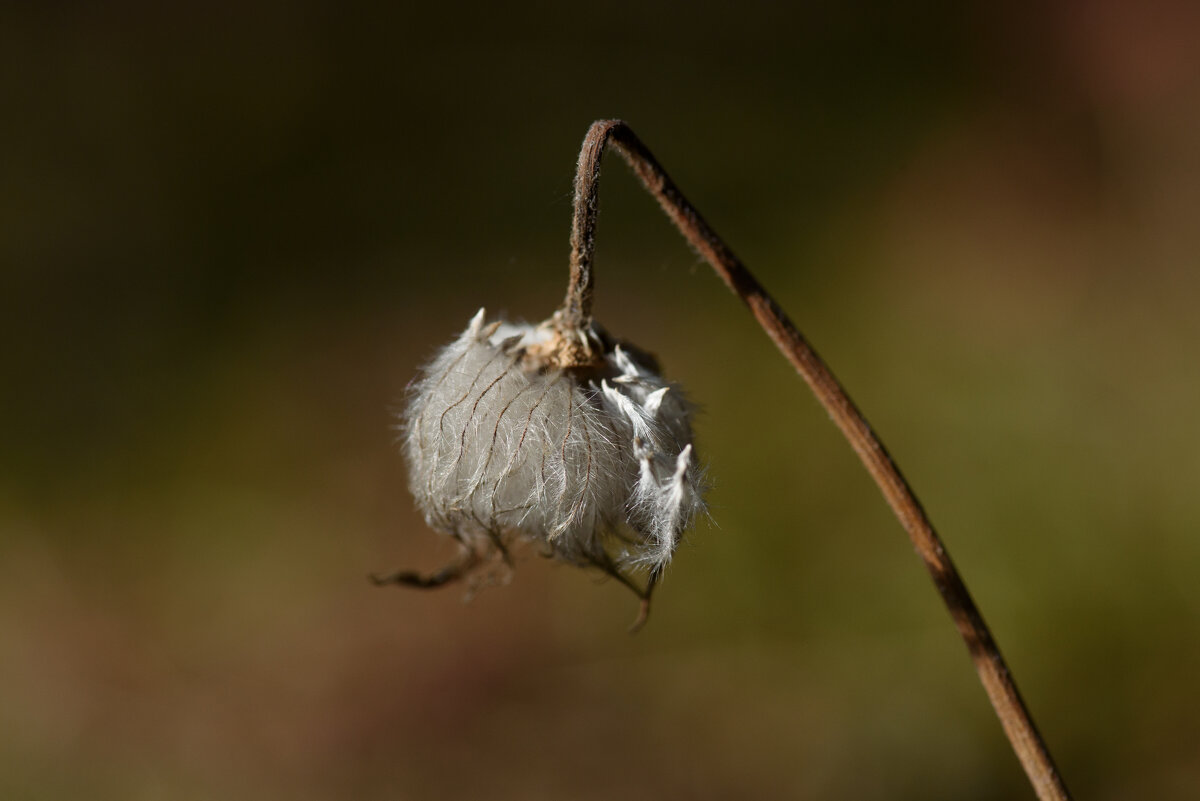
<point>575,314</point>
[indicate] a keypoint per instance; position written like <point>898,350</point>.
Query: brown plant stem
<point>1001,689</point>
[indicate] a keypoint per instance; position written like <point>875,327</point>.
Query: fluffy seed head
<point>506,439</point>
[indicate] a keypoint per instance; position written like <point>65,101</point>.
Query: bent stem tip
<point>993,672</point>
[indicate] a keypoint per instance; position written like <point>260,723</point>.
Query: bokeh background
<point>230,232</point>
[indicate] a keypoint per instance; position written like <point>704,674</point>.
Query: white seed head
<point>595,462</point>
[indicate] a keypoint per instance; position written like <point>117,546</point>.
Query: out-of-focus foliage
<point>229,233</point>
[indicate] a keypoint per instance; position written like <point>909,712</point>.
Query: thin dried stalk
<point>1031,750</point>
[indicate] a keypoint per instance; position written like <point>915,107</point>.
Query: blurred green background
<point>230,232</point>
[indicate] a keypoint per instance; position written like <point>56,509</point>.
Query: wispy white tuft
<point>594,464</point>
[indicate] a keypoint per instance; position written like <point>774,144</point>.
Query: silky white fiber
<point>594,463</point>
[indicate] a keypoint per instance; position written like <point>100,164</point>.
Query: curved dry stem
<point>1031,750</point>
<point>576,312</point>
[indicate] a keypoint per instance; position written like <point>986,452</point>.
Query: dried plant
<point>559,436</point>
<point>582,443</point>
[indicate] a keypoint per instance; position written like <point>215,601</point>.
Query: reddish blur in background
<point>231,231</point>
